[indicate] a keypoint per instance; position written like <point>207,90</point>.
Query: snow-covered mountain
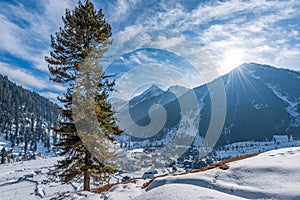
<point>151,92</point>
<point>178,90</point>
<point>261,101</point>
<point>140,105</point>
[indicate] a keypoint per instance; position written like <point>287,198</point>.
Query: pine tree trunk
<point>25,150</point>
<point>87,176</point>
<point>2,158</point>
<point>25,144</point>
<point>6,135</point>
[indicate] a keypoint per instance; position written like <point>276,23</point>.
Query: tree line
<point>26,118</point>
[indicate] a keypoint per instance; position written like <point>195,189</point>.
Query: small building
<point>180,160</point>
<point>281,138</point>
<point>38,171</point>
<point>189,164</point>
<point>26,176</point>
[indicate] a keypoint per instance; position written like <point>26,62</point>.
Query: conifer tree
<point>85,31</point>
<point>3,155</point>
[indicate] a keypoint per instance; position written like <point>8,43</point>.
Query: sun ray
<point>232,59</point>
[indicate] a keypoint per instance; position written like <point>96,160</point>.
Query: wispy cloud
<point>249,31</point>
<point>261,38</point>
<point>25,38</point>
<point>50,95</point>
<point>27,79</point>
<point>10,38</point>
<point>147,75</point>
<point>265,31</point>
<point>26,34</point>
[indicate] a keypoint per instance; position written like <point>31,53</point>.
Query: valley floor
<point>271,175</point>
<point>23,180</point>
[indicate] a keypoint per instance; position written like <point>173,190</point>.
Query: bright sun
<point>232,59</point>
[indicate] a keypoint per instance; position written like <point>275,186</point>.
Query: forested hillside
<point>26,117</point>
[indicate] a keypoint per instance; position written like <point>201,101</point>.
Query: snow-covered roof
<point>281,137</point>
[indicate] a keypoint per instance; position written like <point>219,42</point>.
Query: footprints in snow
<point>290,152</point>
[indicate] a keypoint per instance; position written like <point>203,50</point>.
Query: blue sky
<point>229,32</point>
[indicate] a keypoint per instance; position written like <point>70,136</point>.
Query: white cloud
<point>161,75</point>
<point>121,9</point>
<point>50,95</point>
<point>55,9</point>
<point>144,57</point>
<point>260,38</point>
<point>27,79</point>
<point>10,38</point>
<point>29,42</point>
<point>25,34</point>
<point>254,27</point>
<point>167,42</point>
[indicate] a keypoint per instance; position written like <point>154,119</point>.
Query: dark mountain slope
<point>261,101</point>
<point>26,117</point>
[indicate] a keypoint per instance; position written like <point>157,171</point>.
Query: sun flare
<point>232,59</point>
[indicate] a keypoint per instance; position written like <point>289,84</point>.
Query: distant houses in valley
<point>282,138</point>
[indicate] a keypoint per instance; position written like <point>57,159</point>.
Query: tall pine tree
<point>73,58</point>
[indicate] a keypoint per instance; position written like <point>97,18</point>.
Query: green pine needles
<point>88,119</point>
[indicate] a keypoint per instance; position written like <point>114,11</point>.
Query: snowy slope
<point>15,182</point>
<point>178,90</point>
<point>271,175</point>
<point>149,93</point>
<point>18,150</point>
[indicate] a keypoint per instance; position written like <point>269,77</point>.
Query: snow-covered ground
<point>271,175</point>
<point>23,180</point>
<point>249,147</point>
<point>18,150</point>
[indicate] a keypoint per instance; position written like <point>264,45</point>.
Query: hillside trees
<point>22,112</point>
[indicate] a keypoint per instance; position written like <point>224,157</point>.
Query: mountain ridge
<point>261,101</point>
